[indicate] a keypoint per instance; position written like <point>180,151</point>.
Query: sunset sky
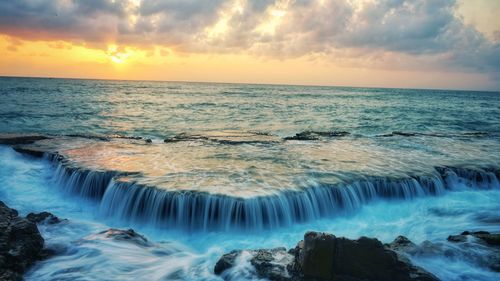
<point>386,43</point>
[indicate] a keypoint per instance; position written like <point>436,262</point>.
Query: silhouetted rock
<point>43,217</point>
<point>322,256</point>
<point>489,238</point>
<point>20,244</point>
<point>402,244</point>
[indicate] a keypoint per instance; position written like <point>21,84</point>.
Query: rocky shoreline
<point>21,244</point>
<point>319,256</point>
<point>323,256</point>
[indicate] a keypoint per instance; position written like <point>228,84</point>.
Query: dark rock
<point>475,232</point>
<point>362,259</point>
<point>316,135</point>
<point>20,244</point>
<point>479,254</point>
<point>402,244</point>
<point>226,261</point>
<point>90,137</point>
<point>489,238</point>
<point>226,138</point>
<point>322,256</point>
<point>126,235</point>
<point>43,217</point>
<point>269,263</point>
<point>316,255</point>
<point>457,238</point>
<point>33,151</point>
<point>148,140</point>
<point>492,239</point>
<point>13,139</point>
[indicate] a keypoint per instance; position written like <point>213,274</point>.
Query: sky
<point>450,44</point>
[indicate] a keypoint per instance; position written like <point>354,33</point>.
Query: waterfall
<point>86,183</point>
<point>192,210</point>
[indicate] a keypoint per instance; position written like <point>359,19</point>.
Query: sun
<point>118,55</point>
<point>119,58</point>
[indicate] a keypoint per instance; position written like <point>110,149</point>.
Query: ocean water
<point>233,166</point>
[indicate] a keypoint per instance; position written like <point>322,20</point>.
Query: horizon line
<point>245,83</point>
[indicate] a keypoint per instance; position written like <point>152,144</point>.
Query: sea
<point>201,169</point>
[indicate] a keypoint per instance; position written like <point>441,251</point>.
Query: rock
<point>315,255</point>
<point>322,256</point>
<point>226,261</point>
<point>43,217</point>
<point>32,151</point>
<point>148,140</point>
<point>126,235</point>
<point>225,137</point>
<point>20,244</point>
<point>492,239</point>
<point>402,244</point>
<point>479,254</point>
<point>489,238</point>
<point>362,259</point>
<point>316,135</point>
<point>269,263</point>
<point>12,139</point>
<point>457,238</point>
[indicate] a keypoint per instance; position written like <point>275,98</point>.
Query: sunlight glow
<point>275,16</point>
<point>118,55</point>
<point>221,26</point>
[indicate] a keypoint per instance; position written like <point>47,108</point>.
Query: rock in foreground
<point>322,256</point>
<point>20,244</point>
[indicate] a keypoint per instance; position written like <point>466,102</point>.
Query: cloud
<point>372,32</point>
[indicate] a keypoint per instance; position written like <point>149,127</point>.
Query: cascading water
<point>84,253</point>
<point>202,169</point>
<point>193,210</point>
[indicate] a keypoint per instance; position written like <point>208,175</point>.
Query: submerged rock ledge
<point>121,196</point>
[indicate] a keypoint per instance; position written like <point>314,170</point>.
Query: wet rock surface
<point>128,235</point>
<point>473,251</point>
<point>269,263</point>
<point>317,135</point>
<point>20,244</point>
<point>322,256</point>
<point>13,139</point>
<point>489,238</point>
<point>43,217</point>
<point>226,137</point>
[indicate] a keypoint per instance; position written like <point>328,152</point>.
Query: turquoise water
<point>83,254</point>
<point>246,166</point>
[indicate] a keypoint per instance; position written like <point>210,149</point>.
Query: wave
<point>192,210</point>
